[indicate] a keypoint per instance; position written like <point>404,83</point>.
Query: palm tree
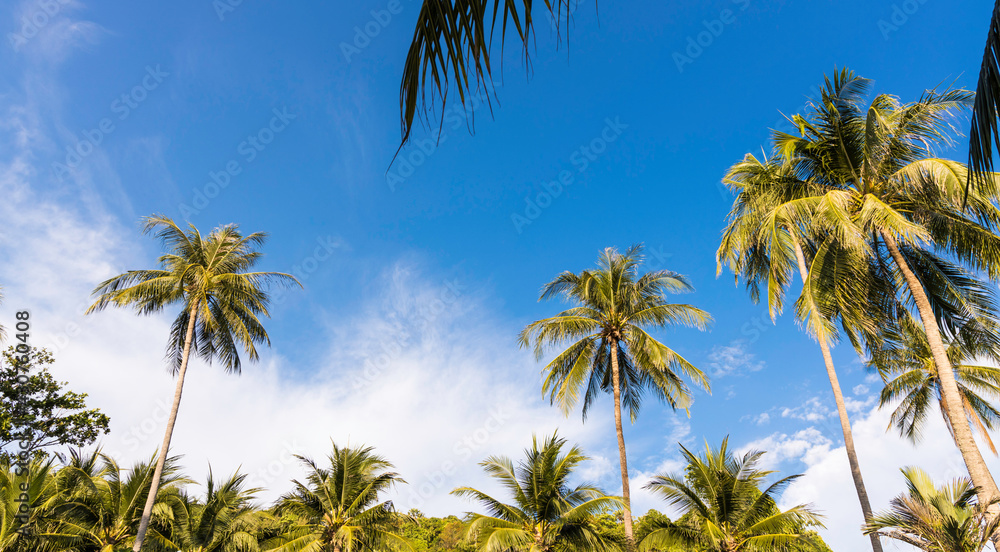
<point>27,494</point>
<point>226,521</point>
<point>547,514</point>
<point>452,46</point>
<point>763,244</point>
<point>221,305</point>
<point>892,210</point>
<point>937,519</point>
<point>723,507</point>
<point>910,375</point>
<point>611,351</point>
<point>338,507</point>
<point>101,508</point>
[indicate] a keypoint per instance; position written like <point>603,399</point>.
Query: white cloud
<point>733,359</point>
<point>860,389</point>
<point>813,410</point>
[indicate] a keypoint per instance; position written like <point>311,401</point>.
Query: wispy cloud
<point>733,359</point>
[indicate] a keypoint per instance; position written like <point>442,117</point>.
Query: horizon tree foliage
<point>39,414</point>
<point>546,514</point>
<point>222,303</point>
<point>610,350</point>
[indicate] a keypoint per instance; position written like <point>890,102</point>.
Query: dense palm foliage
<point>891,213</point>
<point>984,130</point>
<point>225,521</point>
<point>546,514</point>
<point>340,507</point>
<point>221,301</point>
<point>26,500</point>
<point>452,46</point>
<point>610,350</point>
<point>724,507</point>
<point>937,519</point>
<point>765,245</point>
<point>910,375</point>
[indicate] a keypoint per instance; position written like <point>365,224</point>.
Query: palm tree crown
<point>546,514</point>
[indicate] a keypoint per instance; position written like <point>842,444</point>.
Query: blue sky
<point>640,123</point>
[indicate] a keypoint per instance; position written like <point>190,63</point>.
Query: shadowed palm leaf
<point>546,514</point>
<point>984,132</point>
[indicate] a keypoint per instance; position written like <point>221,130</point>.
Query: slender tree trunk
<point>147,510</point>
<point>629,538</point>
<point>838,397</point>
<point>951,399</point>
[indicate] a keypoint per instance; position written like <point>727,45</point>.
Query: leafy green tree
<point>222,303</point>
<point>338,508</point>
<point>610,350</point>
<point>724,508</point>
<point>910,375</point>
<point>40,414</point>
<point>100,509</point>
<point>765,244</point>
<point>937,519</point>
<point>547,514</point>
<point>226,521</point>
<point>892,213</point>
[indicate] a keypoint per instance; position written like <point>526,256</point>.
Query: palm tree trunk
<point>951,399</point>
<point>838,397</point>
<point>147,510</point>
<point>629,538</point>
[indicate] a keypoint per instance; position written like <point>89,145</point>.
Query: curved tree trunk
<point>951,399</point>
<point>629,538</point>
<point>147,510</point>
<point>838,397</point>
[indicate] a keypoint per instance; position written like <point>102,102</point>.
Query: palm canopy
<point>723,506</point>
<point>101,504</point>
<point>226,521</point>
<point>911,378</point>
<point>338,507</point>
<point>616,307</point>
<point>546,513</point>
<point>209,276</point>
<point>452,47</point>
<point>27,495</point>
<point>936,519</point>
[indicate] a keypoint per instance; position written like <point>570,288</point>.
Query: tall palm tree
<point>763,244</point>
<point>910,375</point>
<point>546,515</point>
<point>723,506</point>
<point>892,207</point>
<point>610,350</point>
<point>937,519</point>
<point>338,508</point>
<point>227,520</point>
<point>452,47</point>
<point>221,303</point>
<point>102,506</point>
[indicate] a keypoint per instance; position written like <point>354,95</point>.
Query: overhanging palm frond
<point>984,132</point>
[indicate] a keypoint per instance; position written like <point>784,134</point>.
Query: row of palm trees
<point>91,504</point>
